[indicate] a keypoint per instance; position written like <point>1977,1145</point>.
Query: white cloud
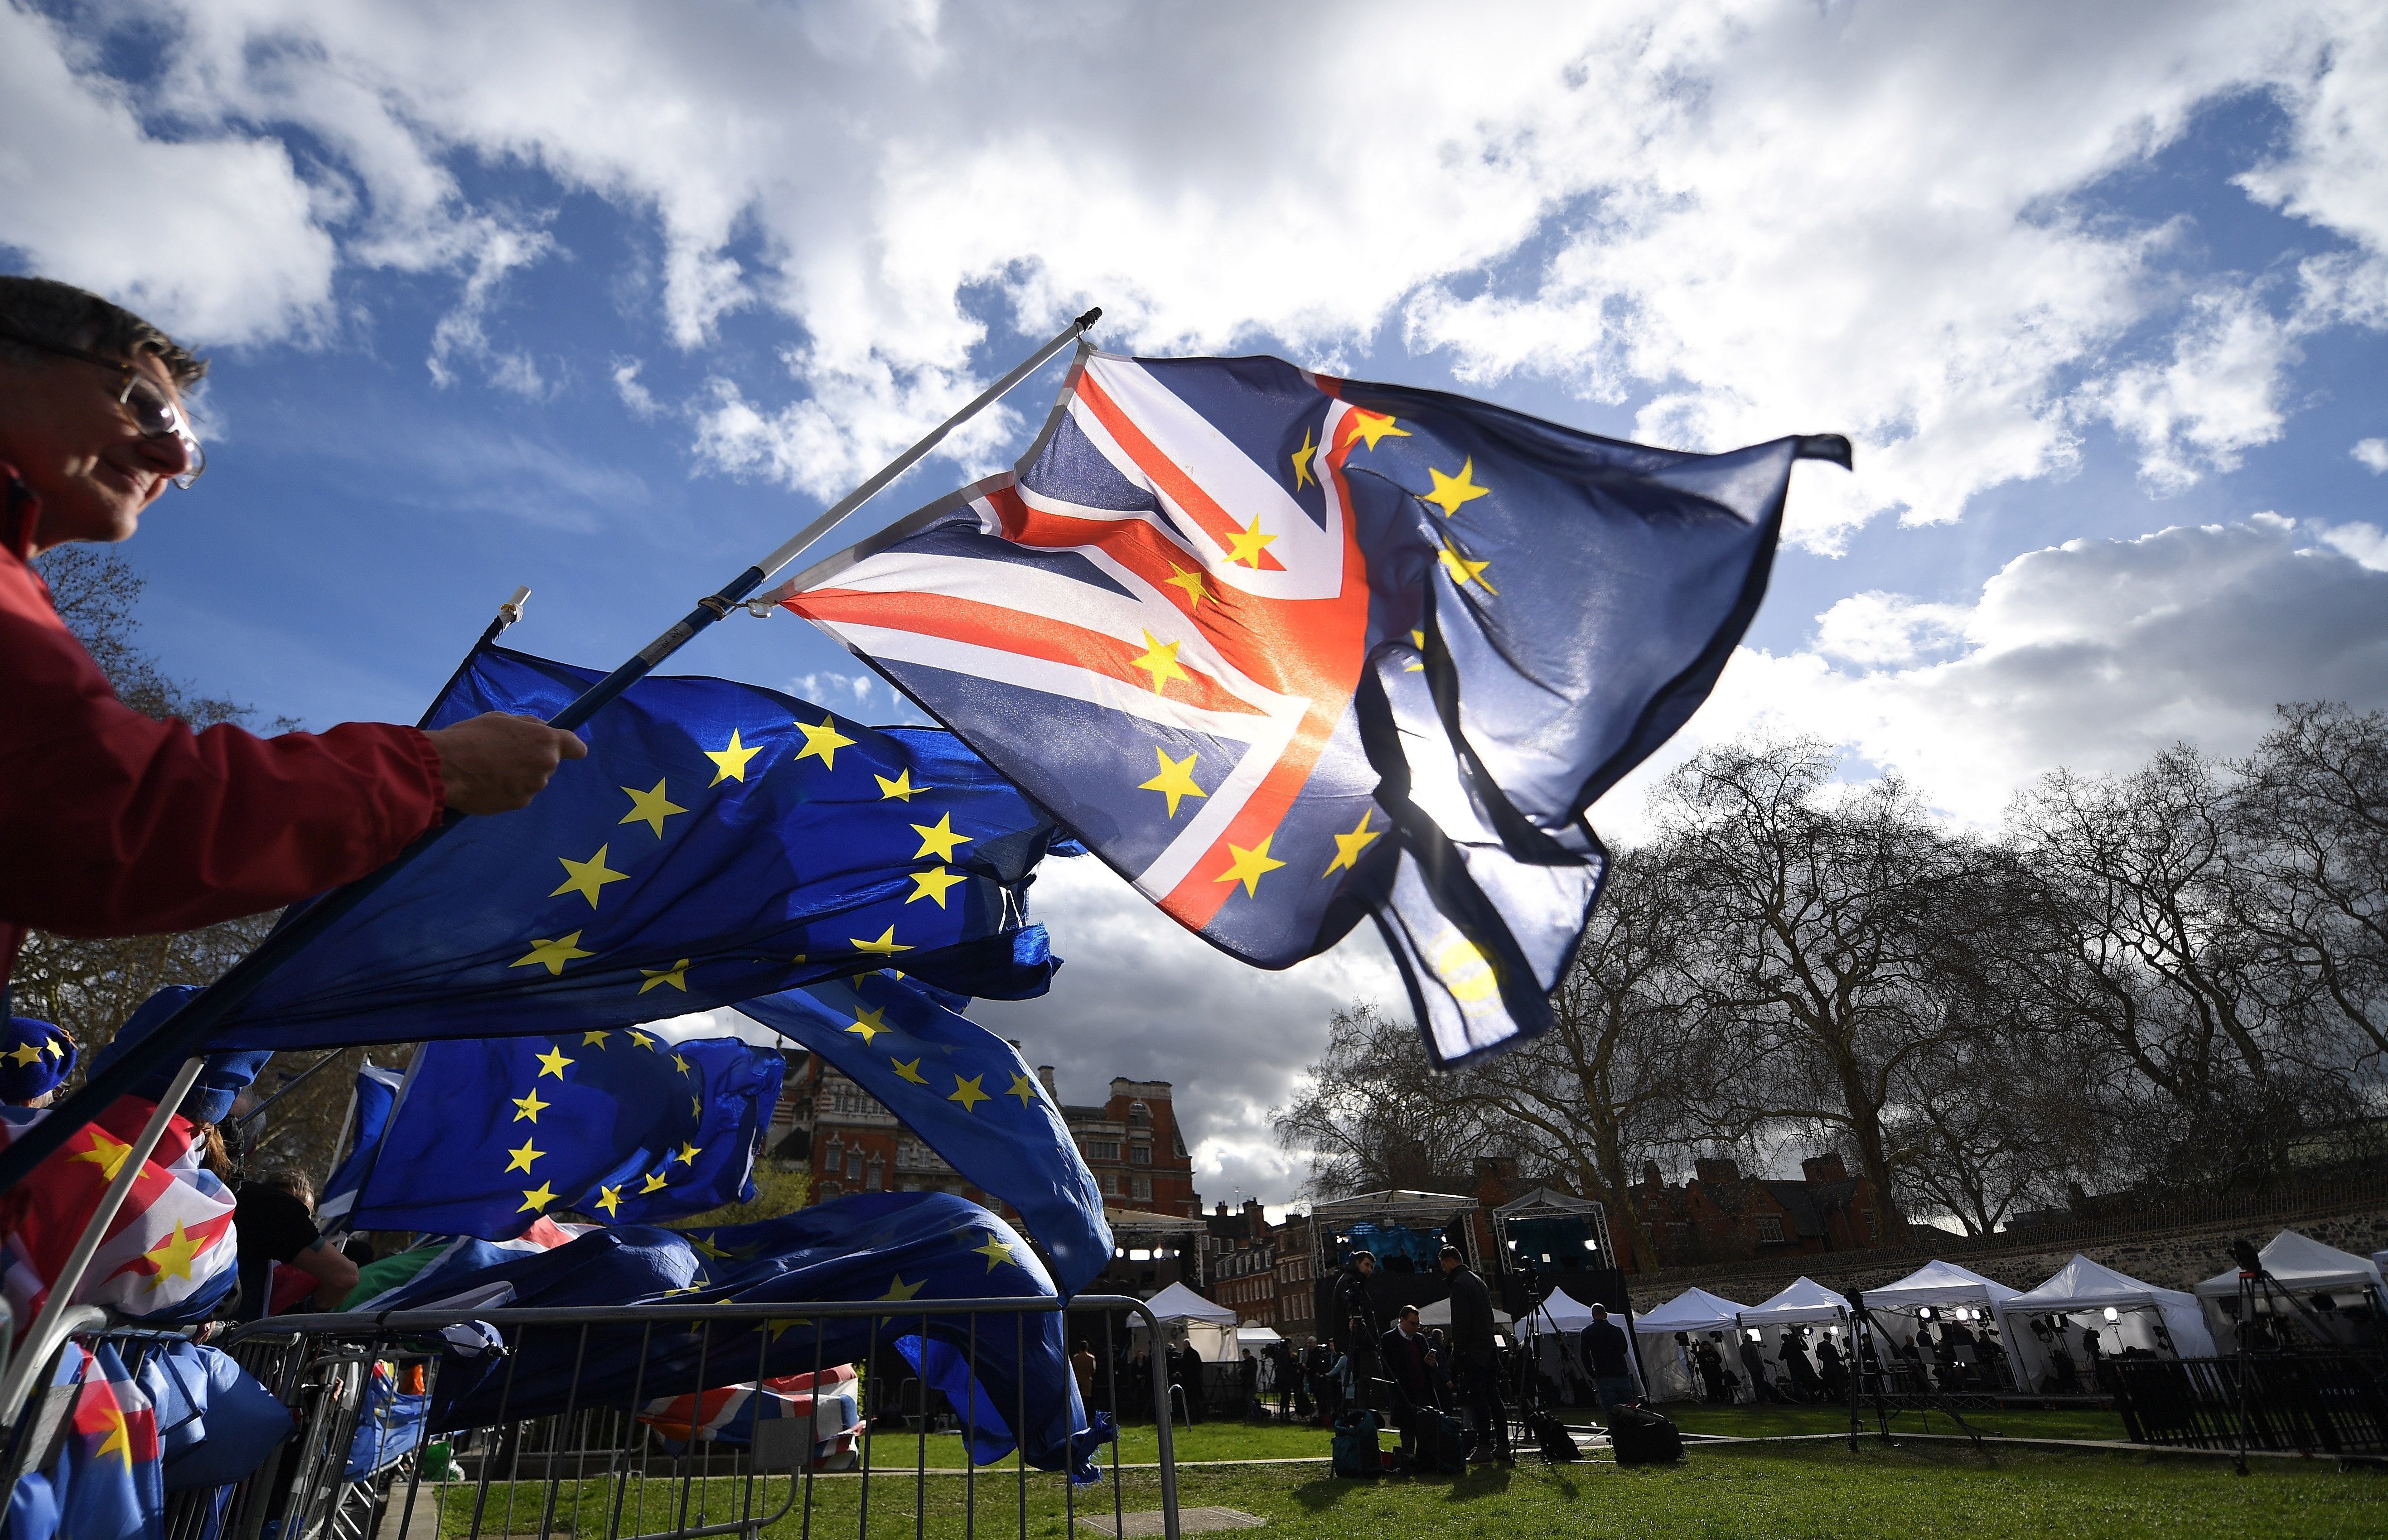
<point>636,396</point>
<point>1758,218</point>
<point>2093,653</point>
<point>2372,454</point>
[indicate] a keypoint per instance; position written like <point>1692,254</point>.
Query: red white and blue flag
<point>1284,650</point>
<point>729,1414</point>
<point>90,1470</point>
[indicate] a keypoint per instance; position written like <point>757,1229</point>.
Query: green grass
<point>1773,1491</point>
<point>1775,1421</point>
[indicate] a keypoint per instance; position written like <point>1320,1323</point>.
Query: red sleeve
<point>113,824</point>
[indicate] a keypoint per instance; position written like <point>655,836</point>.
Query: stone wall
<point>2172,1255</point>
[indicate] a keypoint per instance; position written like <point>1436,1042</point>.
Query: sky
<point>608,298</point>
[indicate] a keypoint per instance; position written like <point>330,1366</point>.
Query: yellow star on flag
<point>26,1053</point>
<point>1452,493</point>
<point>173,1255</point>
<point>910,1072</point>
<point>869,1025</point>
<point>1246,545</point>
<point>587,877</point>
<point>688,1154</point>
<point>729,764</point>
<point>901,1289</point>
<point>1464,571</point>
<point>970,1092</point>
<point>610,1200</point>
<point>642,1039</point>
<point>1176,781</point>
<point>1192,583</point>
<point>680,1063</point>
<point>520,1159</point>
<point>886,946</point>
<point>553,955</point>
<point>996,1253</point>
<point>536,1199</point>
<point>106,1154</point>
<point>1373,426</point>
<point>676,975</point>
<point>651,808</point>
<point>822,742</point>
<point>934,884</point>
<point>705,1245</point>
<point>940,842</point>
<point>1348,847</point>
<point>1159,660</point>
<point>1024,1088</point>
<point>552,1061</point>
<point>1418,640</point>
<point>592,1040</point>
<point>655,1183</point>
<point>529,1106</point>
<point>1249,866</point>
<point>901,788</point>
<point>118,1440</point>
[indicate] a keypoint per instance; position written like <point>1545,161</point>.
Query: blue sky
<point>608,298</point>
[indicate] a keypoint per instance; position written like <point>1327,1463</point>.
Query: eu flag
<point>899,1247</point>
<point>376,1094</point>
<point>719,842</point>
<point>966,1093</point>
<point>618,1123</point>
<point>1287,650</point>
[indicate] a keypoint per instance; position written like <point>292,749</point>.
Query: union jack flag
<point>1283,650</point>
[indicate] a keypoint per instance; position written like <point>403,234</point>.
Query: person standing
<point>1351,1319</point>
<point>1409,1364</point>
<point>1478,1370</point>
<point>1609,1356</point>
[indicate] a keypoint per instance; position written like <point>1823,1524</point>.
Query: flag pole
<point>188,1027</point>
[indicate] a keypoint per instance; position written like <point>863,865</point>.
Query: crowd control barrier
<point>826,1454</point>
<point>2316,1404</point>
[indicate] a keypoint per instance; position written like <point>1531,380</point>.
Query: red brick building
<point>1722,1215</point>
<point>1133,1145</point>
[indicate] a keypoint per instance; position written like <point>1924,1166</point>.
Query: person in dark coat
<point>1828,1365</point>
<point>1607,1355</point>
<point>1753,1362</point>
<point>1352,1321</point>
<point>1477,1370</point>
<point>1185,1371</point>
<point>1709,1360</point>
<point>1408,1360</point>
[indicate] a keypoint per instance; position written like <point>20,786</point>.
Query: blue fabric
<point>216,1423</point>
<point>976,1103</point>
<point>388,1428</point>
<point>898,1246</point>
<point>226,1076</point>
<point>1483,621</point>
<point>376,1097</point>
<point>35,1057</point>
<point>619,1125</point>
<point>719,842</point>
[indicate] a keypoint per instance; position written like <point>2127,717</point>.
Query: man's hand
<point>495,762</point>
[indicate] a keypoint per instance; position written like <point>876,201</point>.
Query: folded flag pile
<point>729,1414</point>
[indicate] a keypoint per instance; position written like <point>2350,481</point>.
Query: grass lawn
<point>1774,1421</point>
<point>1772,1491</point>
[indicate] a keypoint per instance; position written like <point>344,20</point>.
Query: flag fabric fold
<point>719,842</point>
<point>90,1471</point>
<point>966,1093</point>
<point>624,1126</point>
<point>376,1094</point>
<point>1286,651</point>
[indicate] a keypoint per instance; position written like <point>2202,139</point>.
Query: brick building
<point>1720,1215</point>
<point>853,1144</point>
<point>1133,1145</point>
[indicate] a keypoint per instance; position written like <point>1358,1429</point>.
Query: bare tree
<point>1375,1114</point>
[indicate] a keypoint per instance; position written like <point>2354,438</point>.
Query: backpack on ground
<point>1551,1435</point>
<point>1446,1446</point>
<point>1355,1451</point>
<point>1642,1437</point>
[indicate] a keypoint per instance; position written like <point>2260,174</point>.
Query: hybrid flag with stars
<point>1284,650</point>
<point>616,1123</point>
<point>719,842</point>
<point>966,1093</point>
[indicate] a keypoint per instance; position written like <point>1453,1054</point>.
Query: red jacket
<point>114,824</point>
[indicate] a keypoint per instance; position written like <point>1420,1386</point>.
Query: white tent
<point>1695,1313</point>
<point>1805,1311</point>
<point>1558,1312</point>
<point>2328,1282</point>
<point>1939,1290</point>
<point>2084,1298</point>
<point>1210,1329</point>
<point>1805,1303</point>
<point>1438,1314</point>
<point>1256,1337</point>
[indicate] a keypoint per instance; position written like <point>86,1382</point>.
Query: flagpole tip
<point>1090,318</point>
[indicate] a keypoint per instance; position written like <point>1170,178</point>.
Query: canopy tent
<point>1695,1314</point>
<point>1438,1314</point>
<point>1256,1337</point>
<point>2342,1294</point>
<point>1939,1292</point>
<point>1404,1228</point>
<point>1558,1312</point>
<point>2090,1310</point>
<point>1177,1304</point>
<point>1805,1303</point>
<point>1780,1338</point>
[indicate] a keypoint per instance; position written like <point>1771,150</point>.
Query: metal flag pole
<point>188,1027</point>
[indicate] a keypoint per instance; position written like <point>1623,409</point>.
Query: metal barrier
<point>2333,1403</point>
<point>362,1466</point>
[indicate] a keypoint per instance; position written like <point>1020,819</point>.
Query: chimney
<point>1045,1079</point>
<point>1826,1167</point>
<point>1716,1169</point>
<point>1223,1208</point>
<point>1650,1178</point>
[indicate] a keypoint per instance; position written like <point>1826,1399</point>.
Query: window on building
<point>878,1182</point>
<point>1110,1184</point>
<point>1138,1116</point>
<point>1770,1229</point>
<point>833,1154</point>
<point>1139,1153</point>
<point>1144,1189</point>
<point>854,1166</point>
<point>1102,1149</point>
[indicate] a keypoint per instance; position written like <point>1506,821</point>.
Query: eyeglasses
<point>151,411</point>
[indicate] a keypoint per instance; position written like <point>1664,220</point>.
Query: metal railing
<point>2332,1403</point>
<point>580,1452</point>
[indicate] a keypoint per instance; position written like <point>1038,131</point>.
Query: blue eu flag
<point>966,1093</point>
<point>902,1248</point>
<point>377,1088</point>
<point>719,842</point>
<point>618,1123</point>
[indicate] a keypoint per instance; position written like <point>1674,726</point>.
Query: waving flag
<point>376,1094</point>
<point>966,1093</point>
<point>719,842</point>
<point>1283,650</point>
<point>620,1125</point>
<point>167,1256</point>
<point>99,1479</point>
<point>444,1266</point>
<point>729,1414</point>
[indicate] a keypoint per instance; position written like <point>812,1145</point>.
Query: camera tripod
<point>1863,1336</point>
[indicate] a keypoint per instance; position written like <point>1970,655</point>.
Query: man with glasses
<point>113,824</point>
